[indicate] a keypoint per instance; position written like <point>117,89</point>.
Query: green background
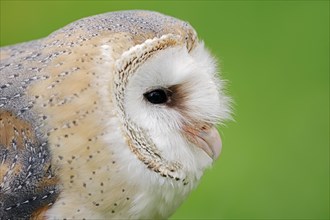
<point>275,55</point>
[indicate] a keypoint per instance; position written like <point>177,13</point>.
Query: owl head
<point>169,97</point>
<point>161,83</point>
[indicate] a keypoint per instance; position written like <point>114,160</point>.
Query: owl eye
<point>157,96</point>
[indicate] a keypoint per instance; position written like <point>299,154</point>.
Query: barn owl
<point>111,117</point>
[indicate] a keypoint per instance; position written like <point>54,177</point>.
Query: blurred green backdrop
<point>275,55</point>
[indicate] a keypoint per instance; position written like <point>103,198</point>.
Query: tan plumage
<point>71,103</point>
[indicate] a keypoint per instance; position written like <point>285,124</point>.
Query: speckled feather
<point>57,159</point>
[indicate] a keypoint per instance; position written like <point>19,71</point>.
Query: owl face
<point>174,98</point>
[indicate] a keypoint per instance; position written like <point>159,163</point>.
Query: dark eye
<point>157,96</point>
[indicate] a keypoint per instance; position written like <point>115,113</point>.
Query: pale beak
<point>208,140</point>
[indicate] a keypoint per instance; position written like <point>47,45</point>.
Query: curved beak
<point>208,140</point>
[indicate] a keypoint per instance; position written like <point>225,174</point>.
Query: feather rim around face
<point>141,145</point>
